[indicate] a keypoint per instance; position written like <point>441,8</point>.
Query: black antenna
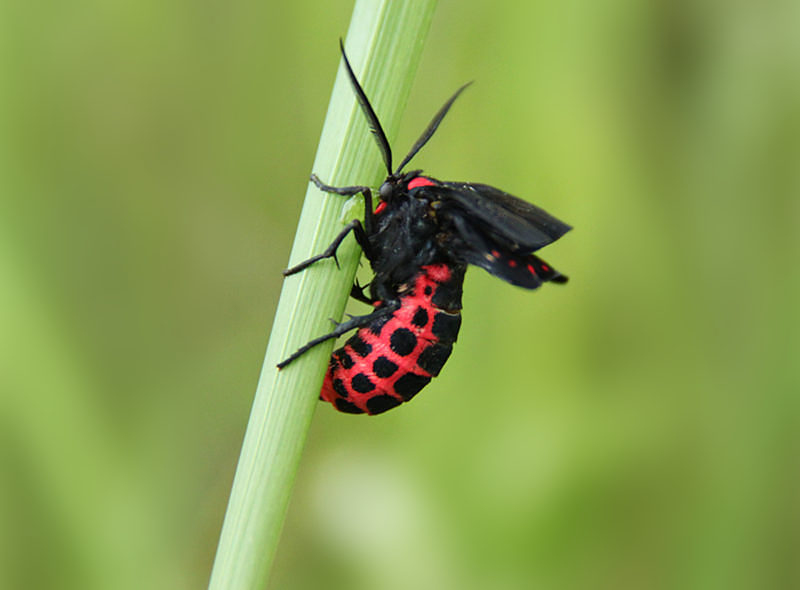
<point>431,129</point>
<point>369,113</point>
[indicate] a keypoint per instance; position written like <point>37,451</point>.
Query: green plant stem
<point>384,44</point>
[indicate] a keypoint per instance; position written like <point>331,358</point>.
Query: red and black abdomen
<point>391,359</point>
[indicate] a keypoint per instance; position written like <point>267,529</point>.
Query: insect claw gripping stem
<point>340,329</point>
<point>345,191</point>
<point>349,191</point>
<point>330,252</point>
<point>357,293</point>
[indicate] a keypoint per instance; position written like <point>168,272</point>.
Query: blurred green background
<point>637,428</point>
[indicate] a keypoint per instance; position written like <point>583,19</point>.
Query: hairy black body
<point>419,241</point>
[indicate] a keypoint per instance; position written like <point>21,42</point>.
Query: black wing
<point>472,246</point>
<point>496,231</point>
<point>513,223</point>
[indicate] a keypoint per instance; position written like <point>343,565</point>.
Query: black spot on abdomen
<point>344,359</point>
<point>383,367</point>
<point>420,318</point>
<point>345,406</point>
<point>359,346</point>
<point>433,358</point>
<point>338,387</point>
<point>362,384</point>
<point>381,403</point>
<point>446,326</point>
<point>403,341</point>
<point>410,384</point>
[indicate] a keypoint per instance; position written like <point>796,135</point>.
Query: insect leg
<point>348,191</point>
<point>357,293</point>
<point>330,252</point>
<point>351,324</point>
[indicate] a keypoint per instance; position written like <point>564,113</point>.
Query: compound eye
<point>386,191</point>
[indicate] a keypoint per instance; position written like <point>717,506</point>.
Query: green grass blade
<point>384,44</point>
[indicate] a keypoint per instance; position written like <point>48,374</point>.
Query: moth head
<point>387,189</point>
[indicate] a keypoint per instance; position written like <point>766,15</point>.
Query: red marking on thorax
<point>438,273</point>
<point>381,206</point>
<point>420,181</point>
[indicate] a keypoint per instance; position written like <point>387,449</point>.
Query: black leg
<point>345,191</point>
<point>357,293</point>
<point>351,324</point>
<point>330,251</point>
<point>348,191</point>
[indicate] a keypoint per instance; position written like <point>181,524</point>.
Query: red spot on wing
<point>420,181</point>
<point>512,263</point>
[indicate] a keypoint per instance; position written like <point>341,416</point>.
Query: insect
<point>419,241</point>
